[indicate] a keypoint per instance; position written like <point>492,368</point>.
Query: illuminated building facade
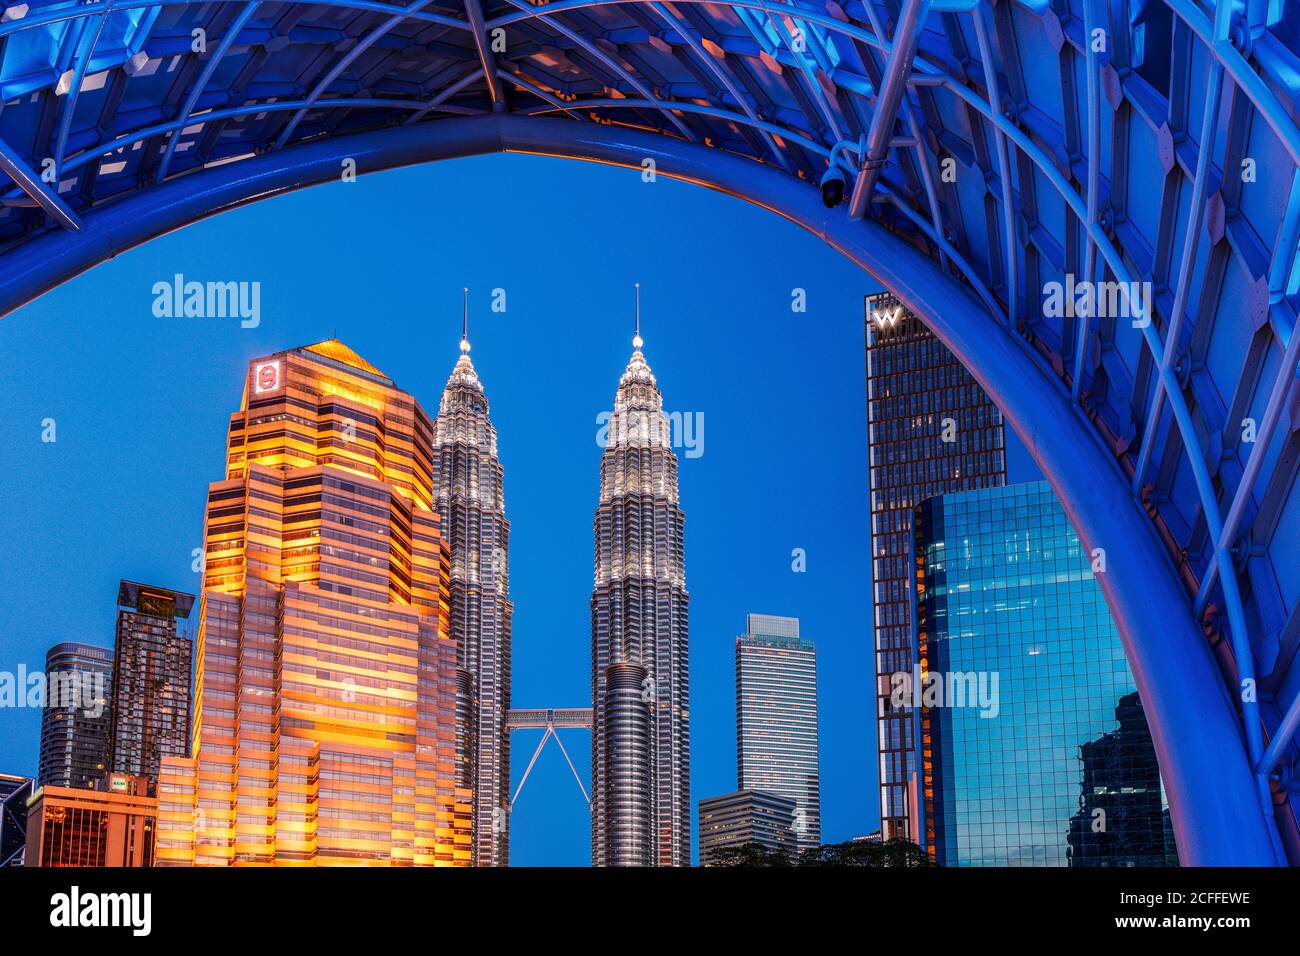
<point>640,813</point>
<point>747,816</point>
<point>1011,770</point>
<point>931,430</point>
<point>467,493</point>
<point>151,680</point>
<point>109,827</point>
<point>326,678</point>
<point>77,721</point>
<point>776,720</point>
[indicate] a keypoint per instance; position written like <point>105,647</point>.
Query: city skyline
<point>594,344</point>
<point>1092,209</point>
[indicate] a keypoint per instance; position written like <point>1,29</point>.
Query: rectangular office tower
<point>747,816</point>
<point>931,430</point>
<point>108,827</point>
<point>776,719</point>
<point>326,690</point>
<point>77,721</point>
<point>1034,747</point>
<point>151,680</point>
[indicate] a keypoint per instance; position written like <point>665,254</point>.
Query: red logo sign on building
<point>266,377</point>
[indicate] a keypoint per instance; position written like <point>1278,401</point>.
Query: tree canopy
<point>892,853</point>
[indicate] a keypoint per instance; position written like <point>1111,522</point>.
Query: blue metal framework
<point>993,150</point>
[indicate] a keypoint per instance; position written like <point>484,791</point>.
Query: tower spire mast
<point>464,324</point>
<point>637,341</point>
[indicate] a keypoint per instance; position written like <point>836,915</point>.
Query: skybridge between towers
<point>551,720</point>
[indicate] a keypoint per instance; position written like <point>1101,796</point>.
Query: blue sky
<point>141,405</point>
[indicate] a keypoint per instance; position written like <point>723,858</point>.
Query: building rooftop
<point>338,352</point>
<point>129,592</point>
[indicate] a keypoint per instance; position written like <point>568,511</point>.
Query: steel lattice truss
<point>967,130</point>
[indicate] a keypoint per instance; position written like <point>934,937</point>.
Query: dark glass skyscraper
<point>151,680</point>
<point>640,813</point>
<point>931,430</point>
<point>1034,751</point>
<point>77,721</point>
<point>776,720</point>
<point>467,493</point>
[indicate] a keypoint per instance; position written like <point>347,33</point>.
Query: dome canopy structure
<point>1095,205</point>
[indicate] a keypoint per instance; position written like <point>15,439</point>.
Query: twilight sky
<point>141,404</point>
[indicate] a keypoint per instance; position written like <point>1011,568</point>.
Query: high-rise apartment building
<point>112,826</point>
<point>77,720</point>
<point>931,430</point>
<point>1030,729</point>
<point>467,493</point>
<point>747,816</point>
<point>151,680</point>
<point>327,688</point>
<point>776,719</point>
<point>640,742</point>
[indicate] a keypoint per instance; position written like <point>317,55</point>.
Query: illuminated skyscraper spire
<point>637,341</point>
<point>464,325</point>
<point>467,493</point>
<point>640,686</point>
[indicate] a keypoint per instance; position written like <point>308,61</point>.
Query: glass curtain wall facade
<point>467,491</point>
<point>77,722</point>
<point>776,719</point>
<point>326,680</point>
<point>641,791</point>
<point>151,680</point>
<point>1036,727</point>
<point>931,430</point>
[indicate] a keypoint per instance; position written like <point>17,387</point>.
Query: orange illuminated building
<point>326,688</point>
<point>110,827</point>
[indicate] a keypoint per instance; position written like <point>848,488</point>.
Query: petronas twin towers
<point>640,752</point>
<point>467,477</point>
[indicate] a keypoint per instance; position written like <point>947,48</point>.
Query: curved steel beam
<point>363,44</point>
<point>42,18</point>
<point>1218,816</point>
<point>201,84</point>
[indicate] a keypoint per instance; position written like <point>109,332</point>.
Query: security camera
<point>833,185</point>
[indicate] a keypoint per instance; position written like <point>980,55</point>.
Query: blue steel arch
<point>992,150</point>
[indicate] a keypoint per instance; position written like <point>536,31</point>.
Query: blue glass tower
<point>1034,747</point>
